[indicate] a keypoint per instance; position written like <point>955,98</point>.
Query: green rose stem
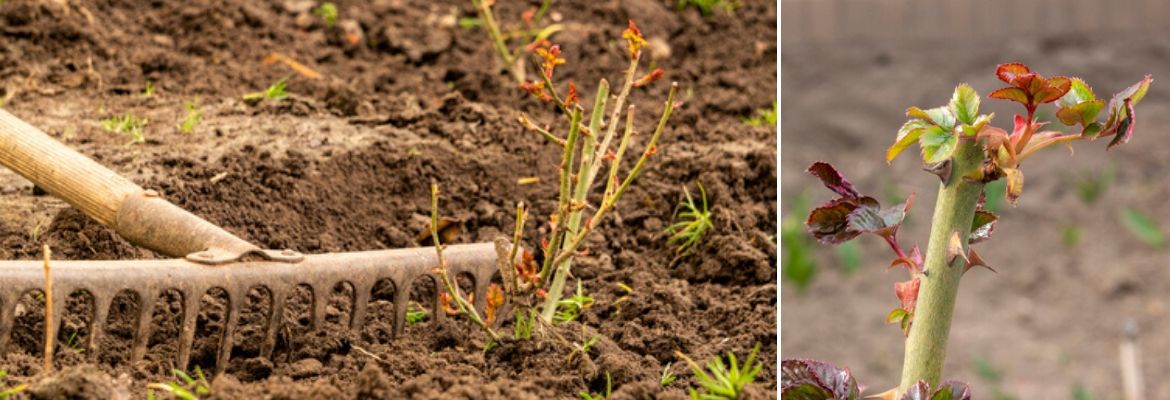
<point>926,345</point>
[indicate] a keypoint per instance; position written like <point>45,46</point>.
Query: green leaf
<point>994,192</point>
<point>1083,113</point>
<point>1079,92</point>
<point>985,370</point>
<point>907,135</point>
<point>1071,236</point>
<point>896,315</point>
<point>811,379</point>
<point>1144,228</point>
<point>940,116</point>
<point>849,254</point>
<point>938,144</point>
<point>982,226</point>
<point>799,265</point>
<point>952,390</point>
<point>1080,393</point>
<point>1134,93</point>
<point>965,104</point>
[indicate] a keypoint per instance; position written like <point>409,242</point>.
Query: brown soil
<point>1052,317</point>
<point>344,165</point>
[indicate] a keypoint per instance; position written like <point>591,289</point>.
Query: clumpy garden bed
<point>345,162</point>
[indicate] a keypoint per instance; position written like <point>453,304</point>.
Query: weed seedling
<point>799,266</point>
<point>328,12</point>
<point>275,92</point>
<point>724,382</point>
<point>708,6</point>
<point>187,388</point>
<point>148,91</point>
<point>569,309</point>
<point>763,116</point>
<point>667,376</point>
<point>128,125</point>
<point>415,313</point>
<point>691,222</point>
<point>1144,228</point>
<point>600,396</point>
<point>5,394</point>
<point>965,152</point>
<point>1090,188</point>
<point>194,116</point>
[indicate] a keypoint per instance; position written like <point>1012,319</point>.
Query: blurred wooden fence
<point>826,22</point>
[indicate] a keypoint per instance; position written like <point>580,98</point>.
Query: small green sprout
<point>1144,228</point>
<point>274,92</point>
<point>799,265</point>
<point>667,377</point>
<point>692,222</point>
<point>194,116</point>
<point>600,396</point>
<point>5,394</point>
<point>127,125</point>
<point>707,6</point>
<point>725,381</point>
<point>189,389</point>
<point>148,91</point>
<point>763,117</point>
<point>72,343</point>
<point>569,309</point>
<point>328,12</point>
<point>523,328</point>
<point>415,313</point>
<point>1090,188</point>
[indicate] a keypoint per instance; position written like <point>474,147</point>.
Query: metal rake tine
<point>319,304</point>
<point>275,319</point>
<point>231,319</point>
<point>7,320</point>
<point>101,311</point>
<point>145,319</point>
<point>361,301</point>
<point>60,296</point>
<point>401,305</point>
<point>187,327</point>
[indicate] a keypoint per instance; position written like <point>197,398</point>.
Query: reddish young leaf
<point>1011,93</point>
<point>812,379</point>
<point>829,223</point>
<point>877,221</point>
<point>912,262</point>
<point>908,293</point>
<point>1124,127</point>
<point>1008,72</point>
<point>833,179</point>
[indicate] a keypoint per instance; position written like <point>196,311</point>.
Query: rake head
<point>148,279</point>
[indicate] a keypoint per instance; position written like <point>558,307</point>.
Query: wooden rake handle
<point>140,216</point>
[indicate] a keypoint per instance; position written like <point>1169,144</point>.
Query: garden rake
<point>209,257</point>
